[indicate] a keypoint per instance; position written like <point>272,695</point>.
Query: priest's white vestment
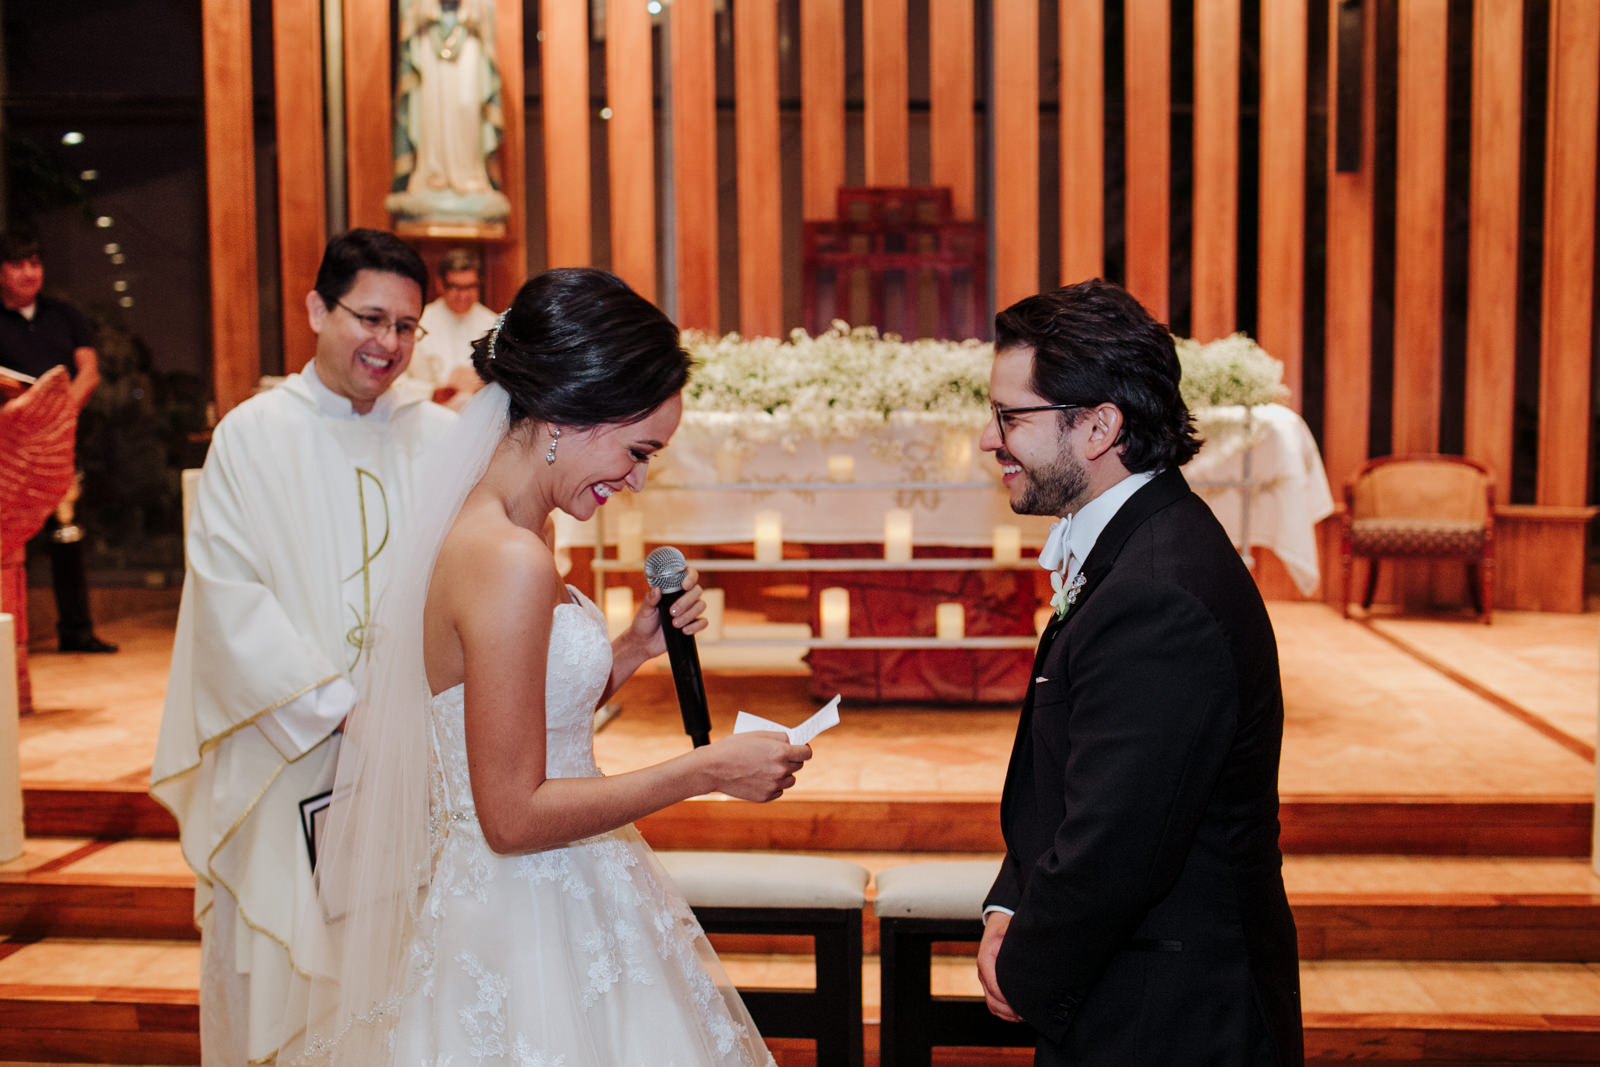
<point>297,514</point>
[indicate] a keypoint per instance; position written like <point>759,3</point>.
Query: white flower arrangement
<point>1232,370</point>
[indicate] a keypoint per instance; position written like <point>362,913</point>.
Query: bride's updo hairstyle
<point>578,348</point>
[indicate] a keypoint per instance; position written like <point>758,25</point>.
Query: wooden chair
<point>1425,506</point>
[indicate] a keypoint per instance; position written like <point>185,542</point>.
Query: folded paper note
<point>826,716</point>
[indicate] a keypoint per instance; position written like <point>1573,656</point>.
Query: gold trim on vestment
<point>207,744</point>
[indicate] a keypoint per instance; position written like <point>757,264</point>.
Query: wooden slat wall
<point>1016,165</point>
<point>302,191</point>
<point>885,91</point>
<point>1565,449</point>
<point>564,61</point>
<point>755,51</point>
<point>1147,37</point>
<point>369,138</point>
<point>821,106</point>
<point>950,96</point>
<point>230,201</point>
<point>1349,242</point>
<point>1280,288</point>
<point>694,162</point>
<point>1419,226</point>
<point>630,81</point>
<point>507,261</point>
<point>1083,129</point>
<point>1215,248</point>
<point>1492,266</point>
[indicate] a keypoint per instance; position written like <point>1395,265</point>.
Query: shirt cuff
<point>306,721</point>
<point>992,908</point>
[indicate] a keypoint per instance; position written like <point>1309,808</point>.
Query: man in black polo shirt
<point>37,333</point>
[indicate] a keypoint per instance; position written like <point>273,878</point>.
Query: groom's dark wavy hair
<point>579,348</point>
<point>1093,343</point>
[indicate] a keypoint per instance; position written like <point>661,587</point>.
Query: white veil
<point>375,855</point>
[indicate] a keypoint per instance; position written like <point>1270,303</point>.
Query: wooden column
<point>507,261</point>
<point>821,106</point>
<point>369,110</point>
<point>1565,448</point>
<point>755,27</point>
<point>302,180</point>
<point>631,135</point>
<point>885,89</point>
<point>231,201</point>
<point>564,62</point>
<point>1083,131</point>
<point>950,96</point>
<point>1016,164</point>
<point>694,162</point>
<point>1280,271</point>
<point>1214,252</point>
<point>1492,250</point>
<point>1348,336</point>
<point>1419,226</point>
<point>1147,94</point>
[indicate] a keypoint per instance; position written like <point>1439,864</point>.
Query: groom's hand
<point>994,932</point>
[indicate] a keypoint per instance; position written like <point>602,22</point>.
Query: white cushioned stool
<point>771,893</point>
<point>917,905</point>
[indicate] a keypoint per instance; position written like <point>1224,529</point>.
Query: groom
<point>1139,915</point>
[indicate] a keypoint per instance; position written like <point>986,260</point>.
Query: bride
<point>483,896</point>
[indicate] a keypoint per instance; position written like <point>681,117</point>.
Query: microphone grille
<point>664,569</point>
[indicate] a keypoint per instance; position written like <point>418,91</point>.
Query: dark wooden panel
<point>1083,154</point>
<point>885,89</point>
<point>1280,286</point>
<point>1016,167</point>
<point>694,162</point>
<point>302,187</point>
<point>760,205</point>
<point>632,140</point>
<point>1438,826</point>
<point>1215,236</point>
<point>564,62</point>
<point>1147,38</point>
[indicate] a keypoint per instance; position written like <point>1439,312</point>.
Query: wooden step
<point>1440,825</point>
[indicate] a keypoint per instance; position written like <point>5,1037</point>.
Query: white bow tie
<point>1054,555</point>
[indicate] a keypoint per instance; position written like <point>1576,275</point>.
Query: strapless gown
<point>583,955</point>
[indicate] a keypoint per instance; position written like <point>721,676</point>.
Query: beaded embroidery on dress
<point>583,955</point>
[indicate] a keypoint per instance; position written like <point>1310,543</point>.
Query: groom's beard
<point>1054,489</point>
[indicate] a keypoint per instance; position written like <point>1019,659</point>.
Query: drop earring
<point>555,438</point>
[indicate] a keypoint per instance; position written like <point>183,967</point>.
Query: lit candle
<point>630,537</point>
<point>730,465</point>
<point>835,614</point>
<point>950,621</point>
<point>957,456</point>
<point>769,536</point>
<point>619,609</point>
<point>1041,618</point>
<point>715,603</point>
<point>1007,544</point>
<point>897,535</point>
<point>841,468</point>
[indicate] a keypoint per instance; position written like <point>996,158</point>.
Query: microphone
<point>664,569</point>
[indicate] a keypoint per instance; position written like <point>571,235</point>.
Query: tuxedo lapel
<point>1163,490</point>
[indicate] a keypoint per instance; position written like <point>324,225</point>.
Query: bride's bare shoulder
<point>487,557</point>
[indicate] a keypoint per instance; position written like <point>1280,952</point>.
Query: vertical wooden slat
<point>369,111</point>
<point>821,106</point>
<point>1016,165</point>
<point>1569,206</point>
<point>885,88</point>
<point>508,262</point>
<point>1419,226</point>
<point>1348,340</point>
<point>755,27</point>
<point>950,96</point>
<point>302,188</point>
<point>1147,92</point>
<point>694,162</point>
<point>231,201</point>
<point>564,61</point>
<point>1492,248</point>
<point>1214,252</point>
<point>632,140</point>
<point>1083,156</point>
<point>1280,288</point>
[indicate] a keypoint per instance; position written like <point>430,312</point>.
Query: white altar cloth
<point>706,487</point>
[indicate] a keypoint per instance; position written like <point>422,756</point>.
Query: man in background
<point>297,518</point>
<point>442,363</point>
<point>37,333</point>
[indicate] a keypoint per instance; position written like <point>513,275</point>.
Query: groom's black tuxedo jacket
<point>1141,809</point>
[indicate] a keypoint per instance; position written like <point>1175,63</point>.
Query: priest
<point>295,521</point>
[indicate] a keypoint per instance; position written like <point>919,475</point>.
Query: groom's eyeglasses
<point>1002,416</point>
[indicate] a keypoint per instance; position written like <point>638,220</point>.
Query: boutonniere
<point>1066,593</point>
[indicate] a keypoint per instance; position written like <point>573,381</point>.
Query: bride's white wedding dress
<point>584,955</point>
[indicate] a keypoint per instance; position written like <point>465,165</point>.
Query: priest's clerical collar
<point>340,407</point>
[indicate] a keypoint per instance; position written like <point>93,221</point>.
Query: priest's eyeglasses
<point>1004,415</point>
<point>407,333</point>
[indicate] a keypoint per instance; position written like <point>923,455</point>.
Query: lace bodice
<point>579,665</point>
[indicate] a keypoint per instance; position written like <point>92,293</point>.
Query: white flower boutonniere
<point>1066,594</point>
